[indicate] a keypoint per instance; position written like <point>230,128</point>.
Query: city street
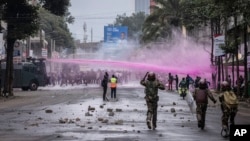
<point>57,58</point>
<point>79,113</point>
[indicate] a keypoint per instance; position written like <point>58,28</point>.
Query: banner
<point>44,53</point>
<point>219,40</point>
<point>2,49</point>
<point>115,34</point>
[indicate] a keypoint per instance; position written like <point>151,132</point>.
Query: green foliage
<point>3,2</point>
<point>69,19</point>
<point>55,28</point>
<point>57,7</point>
<point>21,18</point>
<point>229,47</point>
<point>196,13</point>
<point>166,15</point>
<point>134,23</point>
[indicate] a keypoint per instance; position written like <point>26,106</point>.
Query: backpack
<point>230,99</point>
<point>201,96</point>
<point>151,89</point>
<point>183,84</point>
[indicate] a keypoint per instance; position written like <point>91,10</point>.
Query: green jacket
<point>151,88</point>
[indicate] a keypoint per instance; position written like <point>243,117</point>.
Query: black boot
<point>149,124</point>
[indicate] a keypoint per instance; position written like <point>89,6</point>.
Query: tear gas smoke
<point>181,56</point>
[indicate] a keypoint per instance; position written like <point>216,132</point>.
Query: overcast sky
<point>96,14</point>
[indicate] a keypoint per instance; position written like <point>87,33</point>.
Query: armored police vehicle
<point>27,75</point>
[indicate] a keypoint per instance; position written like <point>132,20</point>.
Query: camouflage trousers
<point>152,111</point>
<point>228,113</point>
<point>201,114</point>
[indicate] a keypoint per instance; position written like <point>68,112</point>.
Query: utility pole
<point>28,47</point>
<point>84,32</point>
<point>51,52</point>
<point>54,45</point>
<point>91,35</point>
<point>39,51</point>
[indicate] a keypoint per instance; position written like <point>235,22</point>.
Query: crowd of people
<point>85,77</point>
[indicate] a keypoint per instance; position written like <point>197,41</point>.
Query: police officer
<point>201,95</point>
<point>183,88</point>
<point>229,106</point>
<point>151,90</point>
<point>196,82</point>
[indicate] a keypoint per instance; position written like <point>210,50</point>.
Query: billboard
<point>114,34</point>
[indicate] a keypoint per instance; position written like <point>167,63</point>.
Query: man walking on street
<point>151,90</point>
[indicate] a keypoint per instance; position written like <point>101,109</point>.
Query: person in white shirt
<point>122,41</point>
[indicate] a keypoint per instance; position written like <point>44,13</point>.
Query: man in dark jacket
<point>105,86</point>
<point>176,82</point>
<point>151,90</point>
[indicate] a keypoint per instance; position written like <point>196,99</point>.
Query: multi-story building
<point>142,6</point>
<point>152,3</point>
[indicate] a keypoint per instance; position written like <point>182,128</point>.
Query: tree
<point>133,22</point>
<point>56,29</point>
<point>167,15</point>
<point>220,12</point>
<point>22,22</point>
<point>57,7</point>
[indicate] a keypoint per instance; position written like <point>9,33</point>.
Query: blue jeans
<point>113,92</point>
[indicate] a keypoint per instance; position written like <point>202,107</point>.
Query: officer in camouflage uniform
<point>151,90</point>
<point>229,107</point>
<point>201,95</point>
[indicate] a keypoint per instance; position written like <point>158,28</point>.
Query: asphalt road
<point>79,114</point>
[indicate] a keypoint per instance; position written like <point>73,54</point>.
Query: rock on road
<point>79,113</point>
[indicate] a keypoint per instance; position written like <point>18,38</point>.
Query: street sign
<point>44,53</point>
<point>219,40</point>
<point>17,59</point>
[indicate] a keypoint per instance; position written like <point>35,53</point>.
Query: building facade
<point>142,6</point>
<point>152,3</point>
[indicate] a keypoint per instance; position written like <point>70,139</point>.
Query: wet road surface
<point>80,114</point>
